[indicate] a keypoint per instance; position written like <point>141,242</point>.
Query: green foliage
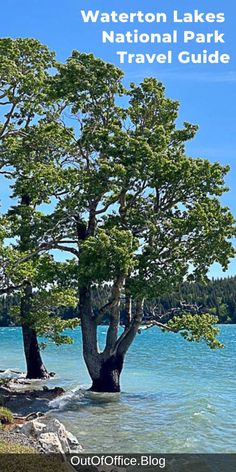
<point>45,311</point>
<point>123,173</point>
<point>123,196</point>
<point>196,328</point>
<point>106,255</point>
<point>89,84</point>
<point>6,416</point>
<point>36,151</point>
<point>7,448</point>
<point>24,65</point>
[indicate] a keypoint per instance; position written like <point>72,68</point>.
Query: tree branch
<point>113,301</point>
<point>64,248</point>
<point>125,340</point>
<point>11,288</point>
<point>153,323</point>
<point>112,332</point>
<point>9,116</point>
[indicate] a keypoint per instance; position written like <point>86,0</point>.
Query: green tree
<point>23,69</point>
<point>141,213</point>
<point>24,99</point>
<point>38,311</point>
<point>131,206</point>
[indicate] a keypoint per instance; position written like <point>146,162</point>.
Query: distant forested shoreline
<point>217,297</point>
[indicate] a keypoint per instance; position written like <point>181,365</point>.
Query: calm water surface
<point>176,396</point>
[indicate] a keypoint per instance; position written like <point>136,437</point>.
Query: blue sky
<point>207,92</point>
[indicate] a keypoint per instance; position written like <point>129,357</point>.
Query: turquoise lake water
<point>176,396</point>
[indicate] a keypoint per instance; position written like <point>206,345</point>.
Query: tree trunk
<point>34,363</point>
<point>128,305</point>
<point>89,333</point>
<point>109,377</point>
<point>104,369</point>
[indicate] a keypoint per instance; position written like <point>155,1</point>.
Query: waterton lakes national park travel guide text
<point>172,36</point>
<point>117,235</point>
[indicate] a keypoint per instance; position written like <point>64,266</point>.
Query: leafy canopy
<point>128,202</point>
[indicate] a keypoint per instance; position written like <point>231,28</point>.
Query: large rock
<point>51,435</point>
<point>50,442</point>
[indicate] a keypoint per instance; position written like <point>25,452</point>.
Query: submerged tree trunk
<point>105,367</point>
<point>34,363</point>
<point>89,333</point>
<point>109,376</point>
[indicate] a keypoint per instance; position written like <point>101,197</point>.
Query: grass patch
<point>12,448</point>
<point>17,458</point>
<point>6,416</point>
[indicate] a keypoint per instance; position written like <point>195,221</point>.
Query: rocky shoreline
<point>32,425</point>
<point>23,399</point>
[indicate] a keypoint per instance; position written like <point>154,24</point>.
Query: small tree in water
<point>38,312</point>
